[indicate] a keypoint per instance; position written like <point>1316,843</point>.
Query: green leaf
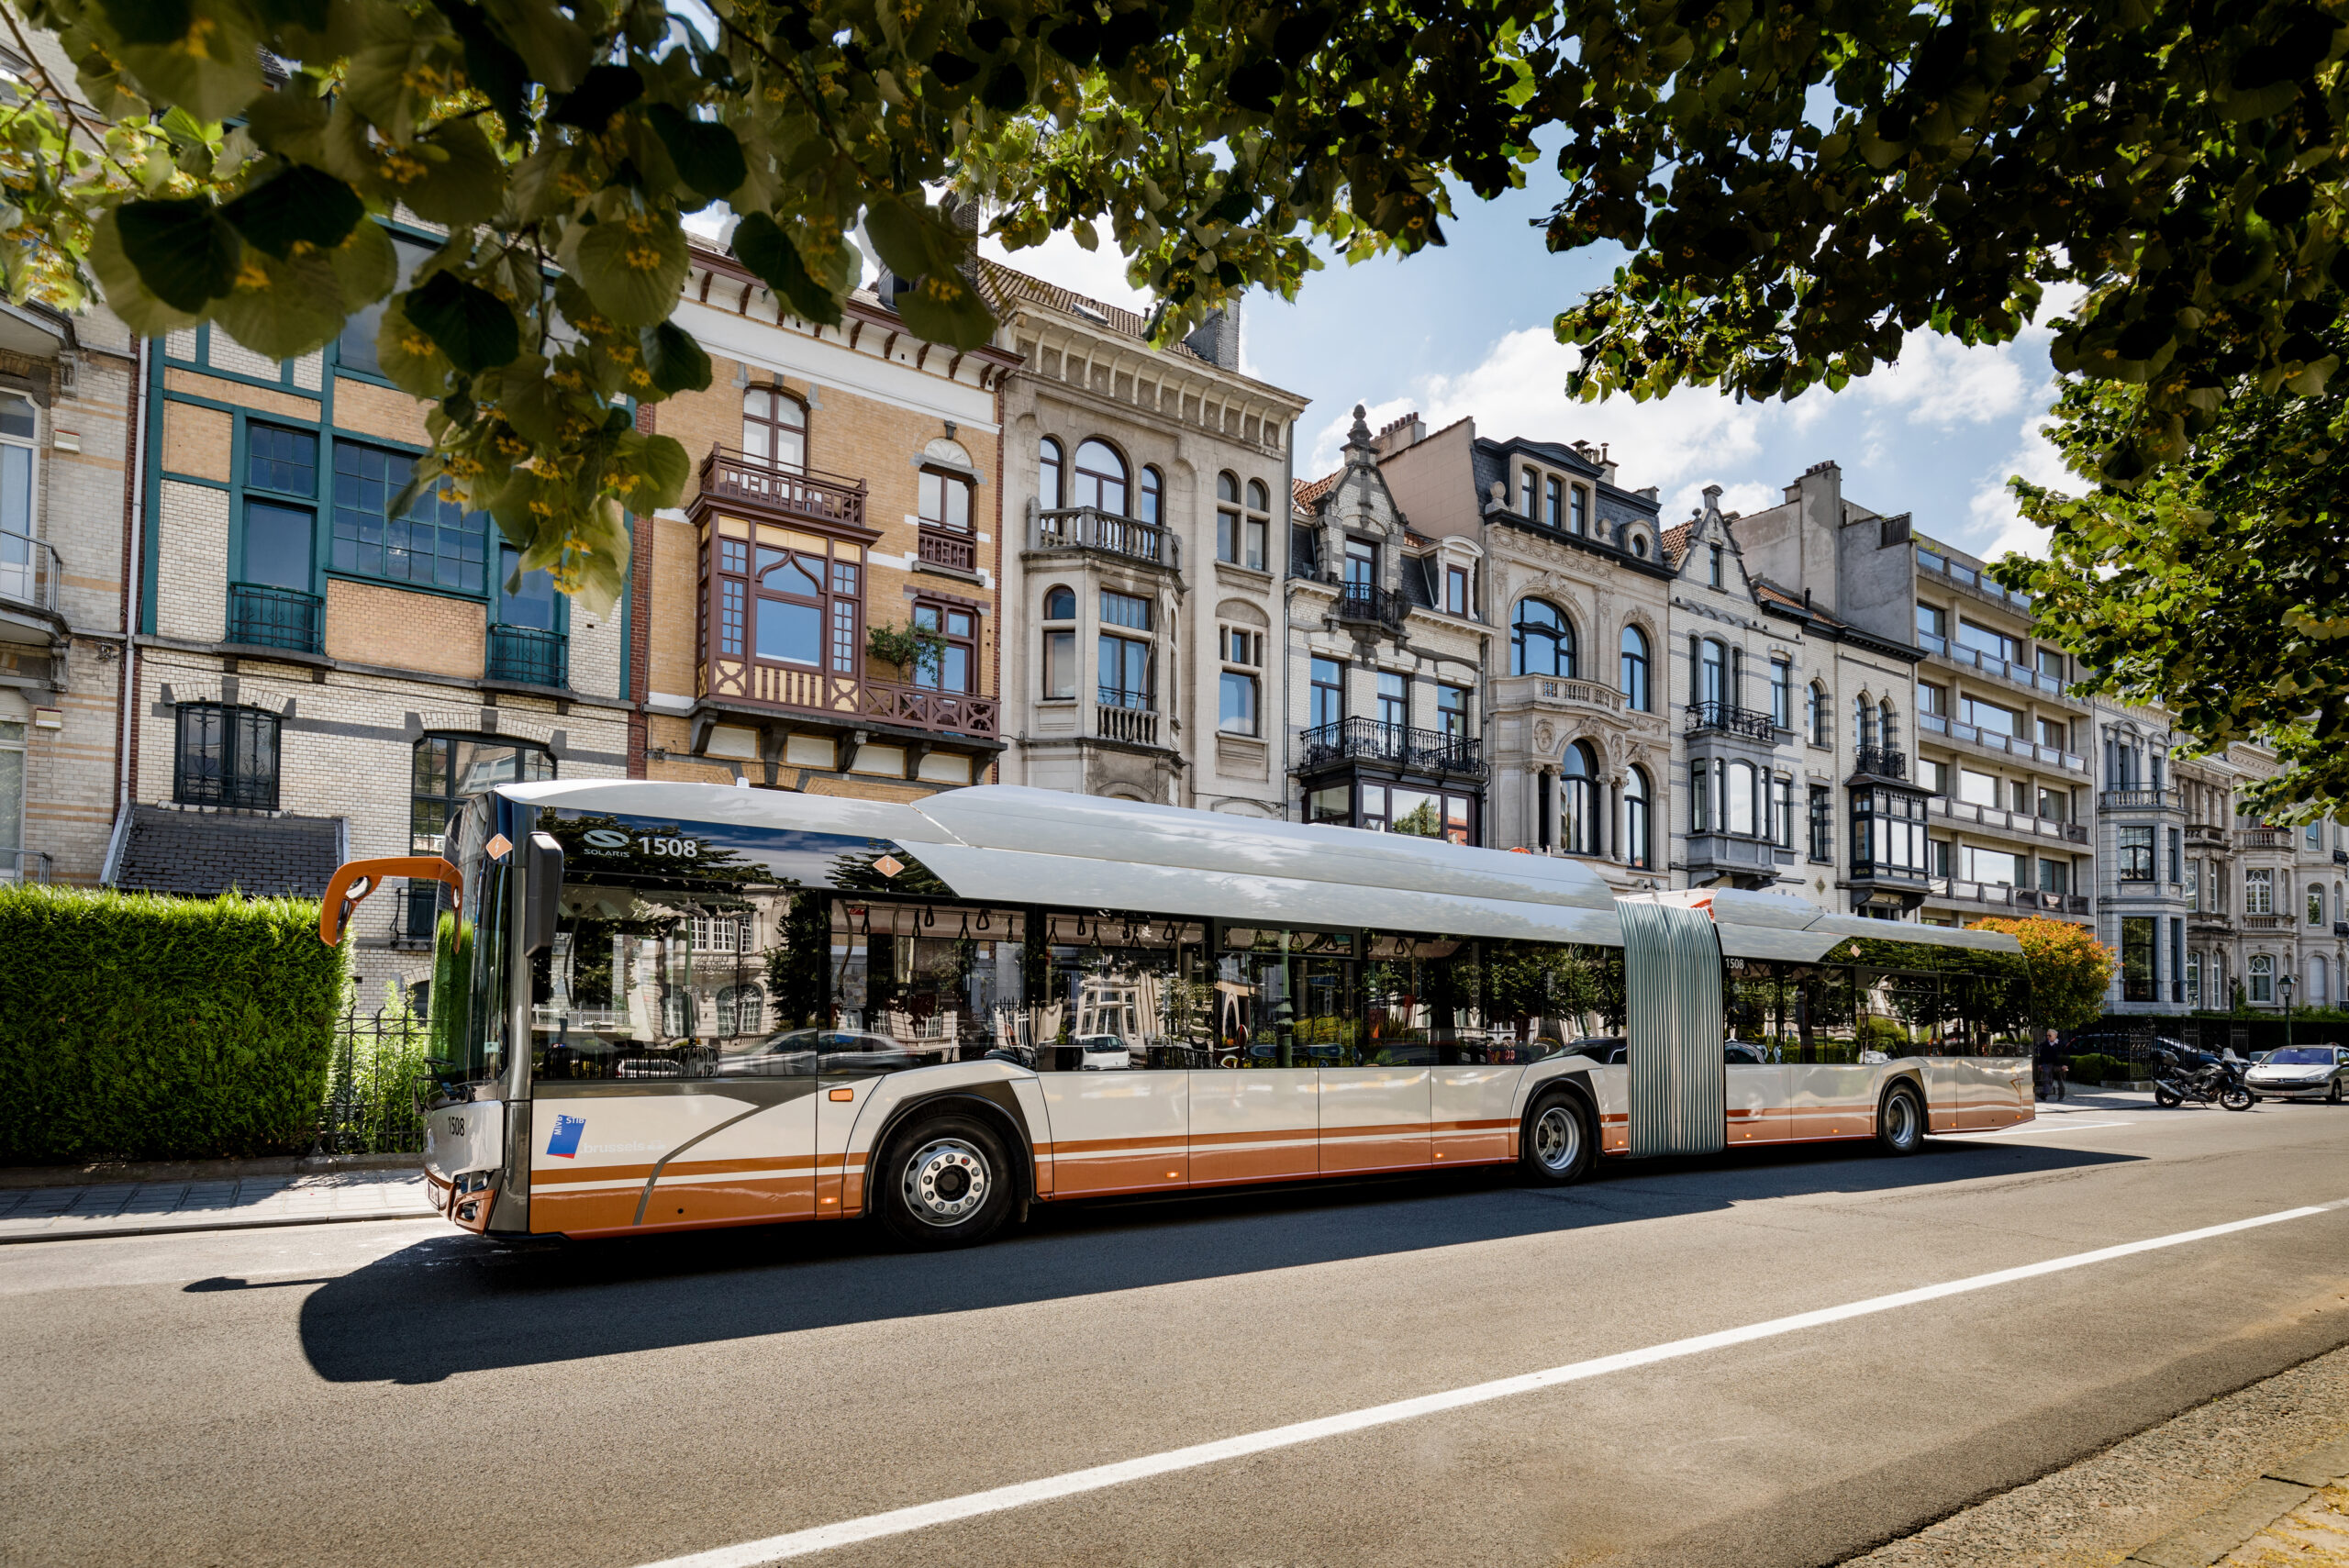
<point>126,293</point>
<point>531,403</point>
<point>634,268</point>
<point>761,245</point>
<point>185,255</point>
<point>471,325</point>
<point>708,155</point>
<point>601,94</point>
<point>150,21</point>
<point>366,265</point>
<point>301,203</point>
<point>298,308</point>
<point>464,180</point>
<point>411,360</point>
<point>903,235</point>
<point>945,309</point>
<point>674,359</point>
<point>661,468</point>
<point>557,49</point>
<point>212,69</point>
<point>493,68</point>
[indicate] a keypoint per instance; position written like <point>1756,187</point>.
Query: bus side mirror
<point>542,893</point>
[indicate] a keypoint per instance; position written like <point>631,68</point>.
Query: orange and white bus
<point>662,1006</point>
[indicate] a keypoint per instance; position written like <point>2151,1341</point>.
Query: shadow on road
<point>458,1304</point>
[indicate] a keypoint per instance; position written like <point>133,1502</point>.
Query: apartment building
<point>2143,853</point>
<point>1570,577</point>
<point>1146,496</point>
<point>68,387</point>
<point>1386,658</point>
<point>820,612</point>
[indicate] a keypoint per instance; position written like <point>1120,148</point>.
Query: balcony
<point>1116,717</point>
<point>947,547</point>
<point>2139,800</point>
<point>1997,896</point>
<point>23,865</point>
<point>1739,854</point>
<point>797,494</point>
<point>1966,658</point>
<point>1106,533</point>
<point>2341,857</point>
<point>264,616</point>
<point>29,572</point>
<point>2341,928</point>
<point>2210,922</point>
<point>1728,718</point>
<point>1389,745</point>
<point>2007,745</point>
<point>2267,922</point>
<point>2204,836</point>
<point>1555,692</point>
<point>2264,838</point>
<point>1366,603</point>
<point>525,656</point>
<point>2022,824</point>
<point>1972,582</point>
<point>1876,762</point>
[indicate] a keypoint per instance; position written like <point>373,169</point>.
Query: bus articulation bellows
<point>659,1007</point>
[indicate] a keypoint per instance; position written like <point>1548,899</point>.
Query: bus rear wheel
<point>1558,1143</point>
<point>1900,1120</point>
<point>944,1181</point>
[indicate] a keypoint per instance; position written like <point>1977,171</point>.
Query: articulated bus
<point>657,1006</point>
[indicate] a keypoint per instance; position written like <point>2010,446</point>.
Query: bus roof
<point>1011,844</point>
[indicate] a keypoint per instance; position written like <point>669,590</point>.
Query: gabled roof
<point>1769,593</point>
<point>1308,492</point>
<point>1674,542</point>
<point>1010,285</point>
<point>200,854</point>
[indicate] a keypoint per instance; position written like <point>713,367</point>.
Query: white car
<point>1103,1053</point>
<point>2302,1072</point>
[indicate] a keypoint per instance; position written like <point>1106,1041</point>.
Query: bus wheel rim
<point>1902,1115</point>
<point>947,1181</point>
<point>1557,1138</point>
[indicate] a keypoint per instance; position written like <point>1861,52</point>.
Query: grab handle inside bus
<point>354,879</point>
<point>542,893</point>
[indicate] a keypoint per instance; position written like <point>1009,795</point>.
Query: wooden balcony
<point>758,684</point>
<point>757,485</point>
<point>947,547</point>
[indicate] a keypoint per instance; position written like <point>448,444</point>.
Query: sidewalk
<point>231,1196</point>
<point>2257,1479</point>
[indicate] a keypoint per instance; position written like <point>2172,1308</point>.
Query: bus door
<point>1111,1040</point>
<point>1366,1023</point>
<point>1672,979</point>
<point>1256,1113</point>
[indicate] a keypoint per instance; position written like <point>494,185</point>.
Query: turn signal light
<point>844,1093</point>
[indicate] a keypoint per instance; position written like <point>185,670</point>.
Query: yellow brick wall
<point>196,441</point>
<point>676,589</point>
<point>255,399</point>
<point>368,624</point>
<point>379,411</point>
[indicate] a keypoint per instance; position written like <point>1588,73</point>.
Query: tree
<point>560,147</point>
<point>2069,969</point>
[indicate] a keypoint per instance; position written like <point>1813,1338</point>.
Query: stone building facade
<point>1571,582</point>
<point>1144,504</point>
<point>847,483</point>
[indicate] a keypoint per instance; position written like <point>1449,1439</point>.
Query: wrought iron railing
<point>530,657</point>
<point>1396,745</point>
<point>376,1077</point>
<point>1369,603</point>
<point>944,547</point>
<point>1730,720</point>
<point>1881,762</point>
<point>28,572</point>
<point>1089,527</point>
<point>260,615</point>
<point>727,474</point>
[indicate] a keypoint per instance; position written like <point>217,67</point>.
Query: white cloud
<point>1940,380</point>
<point>1992,527</point>
<point>1745,496</point>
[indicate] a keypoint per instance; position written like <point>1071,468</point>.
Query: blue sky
<point>1465,331</point>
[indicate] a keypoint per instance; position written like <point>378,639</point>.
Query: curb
<point>2220,1530</point>
<point>118,1173</point>
<point>273,1222</point>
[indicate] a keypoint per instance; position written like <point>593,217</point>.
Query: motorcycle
<point>2198,1075</point>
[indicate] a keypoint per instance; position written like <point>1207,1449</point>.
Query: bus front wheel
<point>1900,1121</point>
<point>945,1181</point>
<point>1558,1143</point>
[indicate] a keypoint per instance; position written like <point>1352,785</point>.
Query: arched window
<point>1637,851</point>
<point>1227,517</point>
<point>1100,479</point>
<point>1862,721</point>
<point>2320,981</point>
<point>1578,800</point>
<point>740,1008</point>
<point>1740,791</point>
<point>774,428</point>
<point>1049,466</point>
<point>1712,683</point>
<point>2262,974</point>
<point>1815,711</point>
<point>1059,644</point>
<point>1635,668</point>
<point>1540,642</point>
<point>1888,725</point>
<point>2316,905</point>
<point>1152,488</point>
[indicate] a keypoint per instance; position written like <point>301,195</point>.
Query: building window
<point>1932,627</point>
<point>1049,466</point>
<point>1540,642</point>
<point>1635,661</point>
<point>1638,848</point>
<point>1999,868</point>
<point>945,501</point>
<point>1394,699</point>
<point>1125,661</point>
<point>1153,491</point>
<point>1240,537</point>
<point>1815,715</point>
<point>1822,824</point>
<point>1060,645</point>
<point>2316,904</point>
<point>1932,699</point>
<point>1243,655</point>
<point>225,755</point>
<point>1100,479</point>
<point>436,543</point>
<point>1714,569</point>
<point>2051,664</point>
<point>774,428</point>
<point>1456,590</point>
<point>1701,797</point>
<point>1362,563</point>
<point>958,659</point>
<point>2137,958</point>
<point>2262,974</point>
<point>1712,672</point>
<point>805,604</point>
<point>16,447</point>
<point>1404,808</point>
<point>1327,701</point>
<point>1864,724</point>
<point>1889,834</point>
<point>2194,979</point>
<point>1888,731</point>
<point>1782,813</point>
<point>1554,496</point>
<point>2194,886</point>
<point>2320,981</point>
<point>2177,856</point>
<point>448,770</point>
<point>2055,876</point>
<point>2056,806</point>
<point>275,548</point>
<point>2259,891</point>
<point>1578,800</point>
<point>281,460</point>
<point>1985,641</point>
<point>2312,835</point>
<point>1227,517</point>
<point>1526,483</point>
<point>1992,717</point>
<point>1933,776</point>
<point>1737,798</point>
<point>1578,520</point>
<point>1452,712</point>
<point>1782,692</point>
<point>739,1010</point>
<point>12,799</point>
<point>355,349</point>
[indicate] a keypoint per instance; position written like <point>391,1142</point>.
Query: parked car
<point>2303,1072</point>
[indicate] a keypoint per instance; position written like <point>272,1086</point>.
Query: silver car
<point>2303,1072</point>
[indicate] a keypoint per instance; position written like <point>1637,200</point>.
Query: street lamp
<point>2285,982</point>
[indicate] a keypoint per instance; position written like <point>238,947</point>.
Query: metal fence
<point>374,1083</point>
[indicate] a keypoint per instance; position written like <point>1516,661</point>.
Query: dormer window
<point>1640,545</point>
<point>1716,558</point>
<point>1525,491</point>
<point>1362,563</point>
<point>1578,520</point>
<point>1554,500</point>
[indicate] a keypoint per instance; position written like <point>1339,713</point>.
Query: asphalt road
<point>393,1394</point>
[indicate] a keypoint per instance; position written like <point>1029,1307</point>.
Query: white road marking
<point>2037,1126</point>
<point>903,1521</point>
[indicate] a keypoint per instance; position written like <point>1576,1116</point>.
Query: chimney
<point>1399,435</point>
<point>1217,338</point>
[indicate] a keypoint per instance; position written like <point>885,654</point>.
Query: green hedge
<point>137,1026</point>
<point>2095,1067</point>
